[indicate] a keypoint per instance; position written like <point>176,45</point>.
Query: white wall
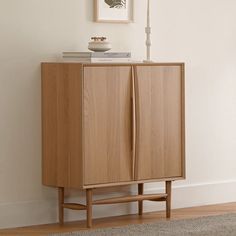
<point>201,33</point>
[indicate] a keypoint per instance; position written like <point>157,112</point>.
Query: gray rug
<point>223,225</point>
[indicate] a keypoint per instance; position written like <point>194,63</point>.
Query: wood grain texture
<point>74,206</point>
<point>133,120</point>
<point>168,199</point>
<point>183,119</point>
<point>62,124</point>
<point>131,182</point>
<point>100,101</point>
<point>140,203</point>
<point>133,198</point>
<point>159,105</point>
<point>92,64</point>
<point>107,125</point>
<point>89,201</point>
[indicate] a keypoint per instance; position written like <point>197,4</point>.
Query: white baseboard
<point>199,194</point>
<point>45,212</point>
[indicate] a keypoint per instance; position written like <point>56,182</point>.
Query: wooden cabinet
<point>110,125</point>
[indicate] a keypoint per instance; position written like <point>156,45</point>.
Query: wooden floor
<point>125,220</point>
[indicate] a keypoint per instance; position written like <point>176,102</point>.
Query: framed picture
<point>113,11</point>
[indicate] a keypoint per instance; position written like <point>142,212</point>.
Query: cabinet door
<point>107,124</point>
<point>159,118</point>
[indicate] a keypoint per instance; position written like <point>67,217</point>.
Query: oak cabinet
<point>112,124</point>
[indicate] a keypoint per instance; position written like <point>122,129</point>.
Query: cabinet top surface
<point>120,64</point>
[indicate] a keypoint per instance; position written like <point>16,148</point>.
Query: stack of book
<point>97,56</point>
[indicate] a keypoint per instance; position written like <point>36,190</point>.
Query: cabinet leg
<point>89,200</point>
<point>168,199</point>
<point>60,205</point>
<point>140,203</point>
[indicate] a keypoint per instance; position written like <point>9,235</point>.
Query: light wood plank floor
<point>185,213</point>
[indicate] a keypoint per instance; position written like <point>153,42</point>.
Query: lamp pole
<point>148,33</point>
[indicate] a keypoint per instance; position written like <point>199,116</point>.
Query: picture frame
<point>113,11</point>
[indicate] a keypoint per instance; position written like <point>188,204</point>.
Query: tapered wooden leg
<point>168,199</point>
<point>60,205</point>
<point>140,203</point>
<point>89,196</point>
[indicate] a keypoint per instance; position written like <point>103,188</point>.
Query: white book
<point>98,60</point>
<point>97,54</point>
